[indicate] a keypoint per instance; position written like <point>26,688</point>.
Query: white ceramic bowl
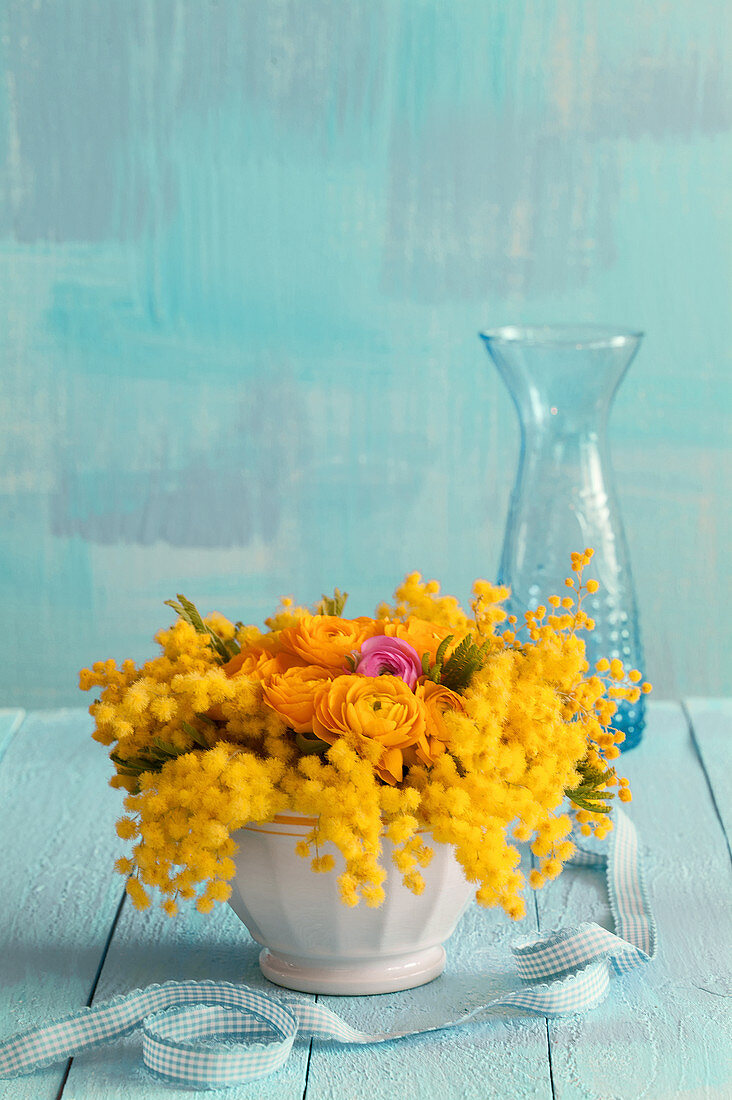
<point>314,943</point>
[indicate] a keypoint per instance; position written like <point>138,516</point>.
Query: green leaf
<point>165,747</point>
<point>193,614</point>
<point>309,744</point>
<point>458,766</point>
<point>121,762</point>
<point>332,605</point>
<point>196,735</point>
<point>589,793</point>
<point>464,661</point>
<point>156,756</point>
<point>188,611</point>
<point>433,672</point>
<point>442,648</point>
<point>593,807</point>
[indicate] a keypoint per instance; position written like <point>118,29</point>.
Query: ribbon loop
<point>200,1045</point>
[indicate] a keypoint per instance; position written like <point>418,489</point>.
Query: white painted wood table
<point>69,938</point>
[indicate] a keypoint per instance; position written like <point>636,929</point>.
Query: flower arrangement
<point>421,719</point>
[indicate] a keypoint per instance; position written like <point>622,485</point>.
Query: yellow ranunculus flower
<point>437,699</point>
<point>291,694</point>
<point>260,664</point>
<point>326,640</point>
<point>371,713</point>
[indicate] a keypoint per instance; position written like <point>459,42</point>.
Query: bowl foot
<point>355,978</point>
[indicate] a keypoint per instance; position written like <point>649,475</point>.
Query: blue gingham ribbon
<point>213,1034</point>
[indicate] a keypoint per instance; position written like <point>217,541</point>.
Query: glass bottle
<point>562,380</point>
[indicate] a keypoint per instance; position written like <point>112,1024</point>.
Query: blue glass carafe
<point>562,380</point>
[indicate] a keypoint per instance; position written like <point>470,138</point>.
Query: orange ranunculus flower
<point>423,636</point>
<point>326,640</point>
<point>378,715</point>
<point>437,699</point>
<point>291,694</point>
<point>260,663</point>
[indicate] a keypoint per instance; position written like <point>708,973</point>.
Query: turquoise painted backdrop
<point>246,248</point>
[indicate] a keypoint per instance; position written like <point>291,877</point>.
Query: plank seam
<point>10,736</point>
<point>700,757</point>
<point>547,1021</point>
<point>546,1018</point>
<point>64,1079</point>
<point>307,1067</point>
<point>95,983</point>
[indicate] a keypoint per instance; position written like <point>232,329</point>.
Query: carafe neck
<point>562,380</point>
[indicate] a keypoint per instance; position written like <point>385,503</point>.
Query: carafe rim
<point>571,336</point>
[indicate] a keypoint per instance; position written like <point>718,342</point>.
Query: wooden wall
<point>245,250</point>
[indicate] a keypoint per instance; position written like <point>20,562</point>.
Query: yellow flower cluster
<point>421,600</point>
<point>183,816</point>
<point>473,736</point>
<point>166,702</point>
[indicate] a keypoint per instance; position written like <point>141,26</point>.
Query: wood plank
<point>149,947</point>
<point>59,893</point>
<point>59,899</point>
<point>665,1029</point>
<point>711,728</point>
<point>504,1056</point>
<point>661,1033</point>
<point>10,722</point>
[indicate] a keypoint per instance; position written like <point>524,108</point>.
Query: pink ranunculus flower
<point>389,655</point>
